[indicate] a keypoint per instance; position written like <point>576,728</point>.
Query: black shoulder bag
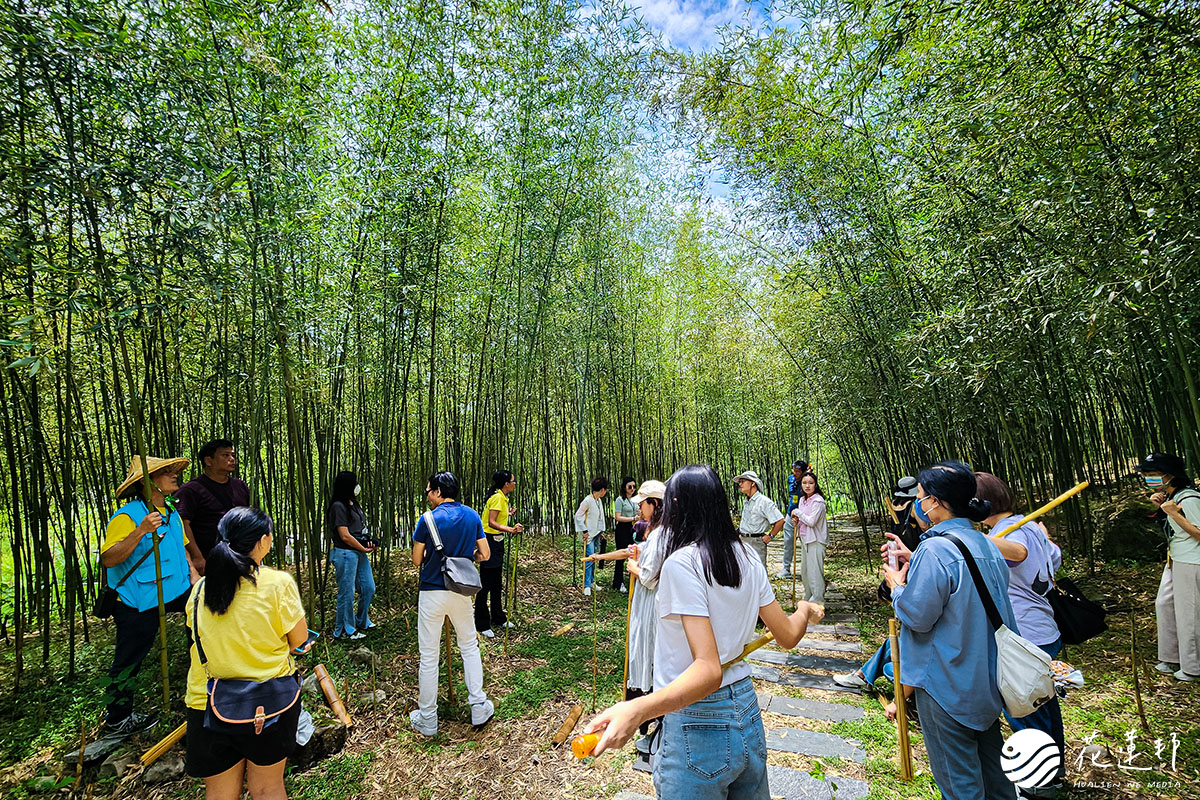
<point>239,706</point>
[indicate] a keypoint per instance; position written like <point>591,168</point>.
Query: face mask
<point>919,510</point>
<point>357,490</point>
<point>1154,481</point>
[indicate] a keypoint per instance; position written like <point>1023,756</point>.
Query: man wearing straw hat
<point>128,556</point>
<point>761,519</point>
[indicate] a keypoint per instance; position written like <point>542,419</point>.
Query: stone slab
<point>765,673</point>
<point>794,784</point>
<point>625,794</point>
<point>804,661</point>
<point>843,617</point>
<point>815,743</point>
<point>834,596</point>
<point>835,630</point>
<point>835,645</point>
<point>94,752</point>
<point>809,709</point>
<point>806,680</point>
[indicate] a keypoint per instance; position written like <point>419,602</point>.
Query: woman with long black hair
<point>711,590</point>
<point>350,554</point>
<point>812,536</point>
<point>247,618</point>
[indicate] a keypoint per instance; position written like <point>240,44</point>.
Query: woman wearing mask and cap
<point>352,545</point>
<point>1178,602</point>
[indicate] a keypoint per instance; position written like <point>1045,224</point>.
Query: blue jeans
<point>714,749</point>
<point>879,664</point>
<point>965,762</point>
<point>1048,718</point>
<point>589,569</point>
<point>353,574</point>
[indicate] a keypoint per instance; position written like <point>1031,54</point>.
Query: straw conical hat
<point>155,464</point>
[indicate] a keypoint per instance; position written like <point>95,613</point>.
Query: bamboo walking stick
<point>766,638</point>
<point>512,592</point>
<point>906,768</point>
<point>449,663</point>
<point>595,634</point>
<point>628,617</point>
<point>1053,504</point>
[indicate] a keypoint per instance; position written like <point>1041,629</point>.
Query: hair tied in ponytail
<point>979,509</point>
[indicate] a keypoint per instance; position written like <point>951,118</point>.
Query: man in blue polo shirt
<point>461,532</point>
<point>799,470</point>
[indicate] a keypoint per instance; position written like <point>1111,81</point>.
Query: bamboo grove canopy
<point>399,236</point>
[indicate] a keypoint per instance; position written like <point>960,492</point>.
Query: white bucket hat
<point>750,475</point>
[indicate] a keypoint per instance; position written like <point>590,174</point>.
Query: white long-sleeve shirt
<point>590,517</point>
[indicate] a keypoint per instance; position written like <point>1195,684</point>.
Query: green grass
<point>342,775</point>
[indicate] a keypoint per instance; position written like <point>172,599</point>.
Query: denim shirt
<point>947,645</point>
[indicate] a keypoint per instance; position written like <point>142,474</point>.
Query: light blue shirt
<point>947,645</point>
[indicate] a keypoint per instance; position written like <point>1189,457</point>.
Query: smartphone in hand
<point>308,643</point>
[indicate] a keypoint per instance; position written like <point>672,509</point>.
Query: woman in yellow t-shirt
<point>249,619</point>
<point>491,572</point>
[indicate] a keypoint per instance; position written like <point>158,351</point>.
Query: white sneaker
<point>783,574</point>
<point>852,680</point>
<point>420,726</point>
<point>1185,676</point>
<point>509,624</point>
<point>587,591</point>
<point>482,713</point>
<point>488,633</point>
<point>1166,667</point>
<point>623,589</point>
<point>356,636</point>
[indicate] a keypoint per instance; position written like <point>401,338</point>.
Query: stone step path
<point>809,709</point>
<point>804,661</point>
<point>815,743</point>
<point>804,680</point>
<point>834,630</point>
<point>814,643</point>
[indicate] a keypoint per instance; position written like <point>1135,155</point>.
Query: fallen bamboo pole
<point>167,742</point>
<point>331,696</point>
<point>1053,504</point>
<point>906,768</point>
<point>568,725</point>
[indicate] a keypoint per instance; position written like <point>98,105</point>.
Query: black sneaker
<point>134,723</point>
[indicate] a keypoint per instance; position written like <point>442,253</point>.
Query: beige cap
<point>750,475</point>
<point>650,489</point>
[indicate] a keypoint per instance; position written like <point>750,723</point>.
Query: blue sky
<point>692,24</point>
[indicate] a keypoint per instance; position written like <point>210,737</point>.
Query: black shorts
<point>210,753</point>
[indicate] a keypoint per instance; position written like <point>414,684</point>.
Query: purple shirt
<point>1029,580</point>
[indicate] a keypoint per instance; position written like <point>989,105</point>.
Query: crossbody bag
<point>239,706</point>
<point>458,574</point>
<point>1023,673</point>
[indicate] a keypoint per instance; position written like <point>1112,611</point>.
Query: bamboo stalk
<point>331,696</point>
<point>165,744</point>
<point>906,768</point>
<point>1053,504</point>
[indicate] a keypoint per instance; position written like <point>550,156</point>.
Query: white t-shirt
<point>682,590</point>
<point>1184,548</point>
<point>590,517</point>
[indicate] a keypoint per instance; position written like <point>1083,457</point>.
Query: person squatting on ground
<point>761,520</point>
<point>491,572</point>
<point>799,468</point>
<point>1178,601</point>
<point>128,556</point>
<point>907,529</point>
<point>712,587</point>
<point>351,557</point>
<point>589,523</point>
<point>246,619</point>
<point>461,532</point>
<point>207,497</point>
<point>947,646</point>
<point>625,513</point>
<point>1032,561</point>
<point>812,531</point>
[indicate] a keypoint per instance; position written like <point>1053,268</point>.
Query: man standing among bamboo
<point>207,497</point>
<point>761,519</point>
<point>799,469</point>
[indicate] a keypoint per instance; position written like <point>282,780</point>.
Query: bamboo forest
<point>577,240</point>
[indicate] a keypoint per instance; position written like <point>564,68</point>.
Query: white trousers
<point>1178,606</point>
<point>433,607</point>
<point>812,570</point>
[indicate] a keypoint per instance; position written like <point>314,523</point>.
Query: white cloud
<point>692,24</point>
